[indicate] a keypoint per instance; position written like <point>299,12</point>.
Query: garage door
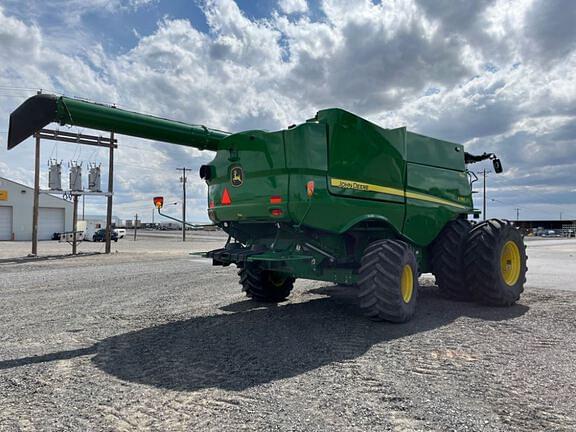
<point>50,220</point>
<point>5,223</point>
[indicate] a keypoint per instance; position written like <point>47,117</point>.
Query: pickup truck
<point>121,232</point>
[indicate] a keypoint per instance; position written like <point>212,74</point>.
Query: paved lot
<point>150,338</point>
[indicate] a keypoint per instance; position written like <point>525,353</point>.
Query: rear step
<point>234,253</point>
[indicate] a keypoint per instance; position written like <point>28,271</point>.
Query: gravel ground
<point>150,338</point>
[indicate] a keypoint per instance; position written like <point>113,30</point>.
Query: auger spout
<point>40,110</point>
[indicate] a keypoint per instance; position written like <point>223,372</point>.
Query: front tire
<point>388,281</point>
<point>495,263</point>
<point>265,285</point>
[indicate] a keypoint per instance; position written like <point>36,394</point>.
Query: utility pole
<point>484,172</point>
<point>36,204</point>
<point>484,195</point>
<point>135,225</point>
<point>183,181</point>
<point>517,214</point>
<point>74,223</point>
<point>109,200</point>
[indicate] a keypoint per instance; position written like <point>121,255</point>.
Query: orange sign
<point>310,188</point>
<point>3,195</point>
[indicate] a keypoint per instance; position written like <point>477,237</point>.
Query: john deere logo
<point>237,176</point>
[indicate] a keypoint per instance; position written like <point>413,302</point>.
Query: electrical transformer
<point>94,182</point>
<point>76,177</point>
<point>54,175</point>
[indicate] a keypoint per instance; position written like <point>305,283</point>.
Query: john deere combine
<point>336,198</point>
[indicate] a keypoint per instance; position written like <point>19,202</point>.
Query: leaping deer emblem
<point>237,176</point>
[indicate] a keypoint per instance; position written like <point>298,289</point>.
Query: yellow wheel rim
<point>510,263</point>
<point>407,283</point>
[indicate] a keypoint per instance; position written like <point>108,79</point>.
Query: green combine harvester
<point>336,199</point>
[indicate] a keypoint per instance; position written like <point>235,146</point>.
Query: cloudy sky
<point>496,75</point>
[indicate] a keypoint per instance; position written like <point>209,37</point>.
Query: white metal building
<point>16,203</point>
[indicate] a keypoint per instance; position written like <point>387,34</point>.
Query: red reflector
<point>275,199</point>
<point>226,197</point>
<point>276,212</point>
<point>212,204</point>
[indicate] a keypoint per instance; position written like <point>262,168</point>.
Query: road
<point>151,338</point>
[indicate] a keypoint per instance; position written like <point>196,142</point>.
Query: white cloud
<point>293,6</point>
<point>492,74</point>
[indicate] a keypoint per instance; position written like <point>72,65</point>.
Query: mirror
<point>497,165</point>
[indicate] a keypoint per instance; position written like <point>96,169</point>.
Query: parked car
<point>100,236</point>
<point>121,232</point>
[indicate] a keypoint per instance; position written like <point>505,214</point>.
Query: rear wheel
<point>265,285</point>
<point>388,281</point>
<point>447,260</point>
<point>495,263</point>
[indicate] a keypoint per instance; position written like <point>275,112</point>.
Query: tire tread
<point>481,263</point>
<point>379,279</point>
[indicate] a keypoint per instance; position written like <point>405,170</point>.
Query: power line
<point>18,88</point>
<point>533,209</point>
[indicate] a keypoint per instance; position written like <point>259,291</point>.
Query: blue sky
<point>496,75</point>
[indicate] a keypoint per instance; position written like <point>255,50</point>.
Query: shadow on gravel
<point>256,343</point>
<point>253,344</point>
<point>29,259</point>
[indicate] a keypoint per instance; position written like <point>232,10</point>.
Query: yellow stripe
<point>433,199</point>
<point>367,187</point>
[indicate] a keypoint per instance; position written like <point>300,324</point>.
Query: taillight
<point>276,212</point>
<point>276,199</point>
